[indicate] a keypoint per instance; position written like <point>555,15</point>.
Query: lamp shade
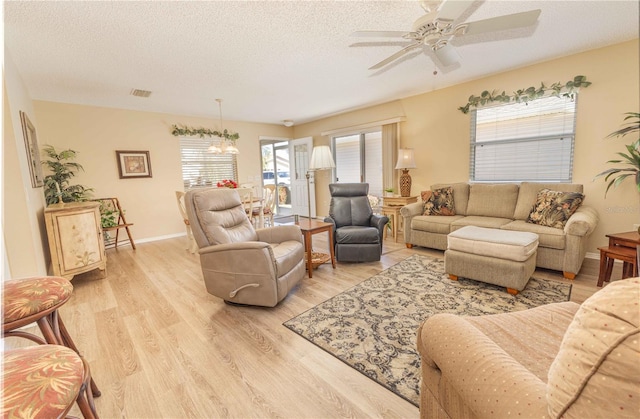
<point>405,159</point>
<point>321,158</point>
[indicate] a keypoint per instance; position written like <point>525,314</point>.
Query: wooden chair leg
<point>47,331</point>
<point>85,398</point>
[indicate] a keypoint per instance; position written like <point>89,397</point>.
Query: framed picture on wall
<point>133,164</point>
<point>33,151</point>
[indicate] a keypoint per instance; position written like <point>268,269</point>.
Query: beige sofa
<point>557,360</point>
<point>505,206</point>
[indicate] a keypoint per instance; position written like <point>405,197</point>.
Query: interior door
<point>300,155</point>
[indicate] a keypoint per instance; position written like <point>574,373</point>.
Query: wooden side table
<point>397,200</point>
<point>393,212</point>
<point>309,227</point>
<point>391,206</point>
<point>623,247</point>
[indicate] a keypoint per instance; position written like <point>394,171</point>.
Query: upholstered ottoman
<point>499,257</point>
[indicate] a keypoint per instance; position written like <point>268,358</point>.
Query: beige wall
<point>24,237</point>
<point>96,133</point>
<point>440,133</point>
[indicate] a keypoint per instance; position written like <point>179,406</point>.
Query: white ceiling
<point>274,60</point>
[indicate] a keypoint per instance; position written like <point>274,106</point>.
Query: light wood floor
<point>160,346</point>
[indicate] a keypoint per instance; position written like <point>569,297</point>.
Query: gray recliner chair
<point>357,230</point>
<point>240,264</point>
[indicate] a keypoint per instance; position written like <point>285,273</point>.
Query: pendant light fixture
<point>224,147</point>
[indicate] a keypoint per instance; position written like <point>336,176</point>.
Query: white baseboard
<point>158,238</point>
<point>589,255</point>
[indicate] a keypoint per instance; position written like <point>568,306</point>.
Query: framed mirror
<point>33,151</point>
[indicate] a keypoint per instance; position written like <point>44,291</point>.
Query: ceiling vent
<point>140,93</point>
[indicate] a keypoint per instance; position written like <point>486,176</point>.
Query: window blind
<point>200,168</point>
<point>359,159</point>
<point>524,142</point>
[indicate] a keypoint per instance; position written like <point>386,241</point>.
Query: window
<point>200,168</point>
<point>358,158</point>
<point>524,142</point>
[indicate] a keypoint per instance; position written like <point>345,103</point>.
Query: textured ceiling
<point>274,60</point>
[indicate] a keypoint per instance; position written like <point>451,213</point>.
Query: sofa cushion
<point>529,191</point>
<point>460,195</point>
<point>488,222</point>
<point>596,371</point>
<point>357,235</point>
<point>553,208</point>
<point>548,237</point>
<point>492,200</point>
<point>434,223</point>
<point>440,202</point>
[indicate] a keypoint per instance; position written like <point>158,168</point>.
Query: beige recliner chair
<point>240,264</point>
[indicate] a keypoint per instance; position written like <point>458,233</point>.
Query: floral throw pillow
<point>440,202</point>
<point>553,208</point>
<point>425,195</point>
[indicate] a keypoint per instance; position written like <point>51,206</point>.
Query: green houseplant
<point>630,160</point>
<point>62,168</point>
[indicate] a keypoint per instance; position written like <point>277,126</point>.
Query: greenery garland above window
<point>524,95</point>
<point>201,132</point>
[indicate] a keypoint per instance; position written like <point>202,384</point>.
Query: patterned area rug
<point>372,326</point>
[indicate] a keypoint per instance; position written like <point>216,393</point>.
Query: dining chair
<point>269,205</point>
<point>193,246</point>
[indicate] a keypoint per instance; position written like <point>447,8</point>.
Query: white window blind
<point>200,168</point>
<point>358,158</point>
<point>347,151</point>
<point>524,142</point>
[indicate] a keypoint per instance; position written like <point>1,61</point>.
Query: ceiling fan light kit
<point>436,30</point>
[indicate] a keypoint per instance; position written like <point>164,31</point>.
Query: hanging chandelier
<point>226,146</point>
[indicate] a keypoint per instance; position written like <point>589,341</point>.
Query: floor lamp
<point>321,159</point>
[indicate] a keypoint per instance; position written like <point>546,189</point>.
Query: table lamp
<point>321,159</point>
<point>405,162</point>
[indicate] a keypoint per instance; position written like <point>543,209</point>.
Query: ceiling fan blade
<point>500,23</point>
<point>378,34</point>
<point>451,10</point>
<point>447,55</point>
<point>395,56</point>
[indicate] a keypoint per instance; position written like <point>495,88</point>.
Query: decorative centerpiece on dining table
<point>227,183</point>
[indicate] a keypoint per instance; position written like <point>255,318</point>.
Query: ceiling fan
<point>438,27</point>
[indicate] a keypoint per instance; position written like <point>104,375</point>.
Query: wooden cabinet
<point>75,238</point>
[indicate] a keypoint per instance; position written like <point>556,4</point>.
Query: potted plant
<point>62,168</point>
<point>388,191</point>
<point>630,161</point>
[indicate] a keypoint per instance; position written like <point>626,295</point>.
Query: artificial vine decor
<point>201,132</point>
<point>524,95</point>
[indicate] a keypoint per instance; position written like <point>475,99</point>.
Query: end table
<point>391,206</point>
<point>624,247</point>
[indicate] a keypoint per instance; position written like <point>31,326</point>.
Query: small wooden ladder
<point>112,206</point>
